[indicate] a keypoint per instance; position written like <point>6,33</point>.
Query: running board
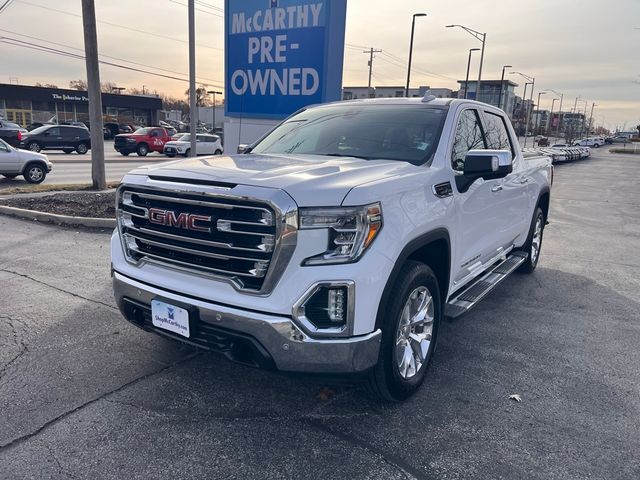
<point>469,297</point>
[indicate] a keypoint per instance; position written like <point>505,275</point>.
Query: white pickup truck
<point>338,242</point>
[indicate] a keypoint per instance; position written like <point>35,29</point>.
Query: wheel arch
<point>544,200</point>
<point>34,162</point>
<point>433,249</point>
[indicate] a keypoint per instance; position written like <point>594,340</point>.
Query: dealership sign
<point>282,55</point>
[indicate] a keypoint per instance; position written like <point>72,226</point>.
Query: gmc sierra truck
<point>338,242</point>
<point>142,141</point>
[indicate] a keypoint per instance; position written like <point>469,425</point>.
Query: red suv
<point>143,141</point>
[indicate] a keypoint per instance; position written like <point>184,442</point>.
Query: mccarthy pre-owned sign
<point>282,55</point>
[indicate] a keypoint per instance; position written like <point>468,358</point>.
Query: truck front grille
<point>228,238</point>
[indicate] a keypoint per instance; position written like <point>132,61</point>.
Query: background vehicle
<point>143,141</point>
<point>178,136</point>
<point>57,137</point>
<point>13,162</point>
<point>589,142</point>
<point>11,132</point>
<point>75,124</point>
<point>620,139</point>
<point>112,129</point>
<point>338,242</point>
<point>205,145</point>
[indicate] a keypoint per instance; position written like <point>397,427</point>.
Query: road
<point>85,395</point>
<point>74,168</point>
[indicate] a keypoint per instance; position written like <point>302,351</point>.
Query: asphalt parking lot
<point>85,395</point>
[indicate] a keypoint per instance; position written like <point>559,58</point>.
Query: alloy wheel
<point>414,334</point>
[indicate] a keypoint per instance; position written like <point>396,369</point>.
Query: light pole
<point>483,38</point>
<point>539,112</point>
<point>530,81</point>
<point>413,29</point>
<point>591,118</point>
<point>213,92</point>
<point>559,108</point>
<point>501,83</point>
<point>550,126</point>
<point>466,81</point>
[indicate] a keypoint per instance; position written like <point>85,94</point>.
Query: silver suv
<point>31,165</point>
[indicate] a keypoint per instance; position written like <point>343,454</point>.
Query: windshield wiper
<point>345,155</point>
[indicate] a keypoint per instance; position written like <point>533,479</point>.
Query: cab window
<point>469,136</point>
<point>497,133</point>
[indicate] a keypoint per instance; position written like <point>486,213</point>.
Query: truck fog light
<point>336,305</point>
<point>327,307</point>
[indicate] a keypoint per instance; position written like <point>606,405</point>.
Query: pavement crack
<point>61,470</point>
<point>17,340</point>
<point>62,416</point>
<point>398,463</point>
<point>23,275</point>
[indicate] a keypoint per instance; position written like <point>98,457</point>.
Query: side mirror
<point>486,164</point>
<point>243,148</point>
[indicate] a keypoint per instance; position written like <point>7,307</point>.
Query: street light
<point>501,82</point>
<point>466,81</point>
<point>530,81</point>
<point>550,126</point>
<point>483,38</point>
<point>214,92</point>
<point>560,108</point>
<point>539,113</point>
<point>413,28</point>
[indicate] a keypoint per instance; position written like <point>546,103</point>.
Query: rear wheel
<point>187,153</point>
<point>533,246</point>
<point>82,148</point>
<point>34,147</point>
<point>409,334</point>
<point>218,152</point>
<point>35,173</point>
<point>67,150</point>
<point>142,150</point>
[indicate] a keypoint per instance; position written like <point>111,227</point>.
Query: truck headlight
<point>351,231</point>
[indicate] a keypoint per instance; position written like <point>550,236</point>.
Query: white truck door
<point>477,236</point>
<point>513,199</point>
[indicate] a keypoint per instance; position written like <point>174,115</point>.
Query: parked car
<point>57,137</point>
<point>75,124</point>
<point>33,166</point>
<point>112,129</point>
<point>35,125</point>
<point>589,142</point>
<point>339,242</point>
<point>11,133</point>
<point>620,139</point>
<point>178,136</point>
<point>205,145</point>
<point>143,141</point>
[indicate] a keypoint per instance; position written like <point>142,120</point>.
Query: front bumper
<point>250,337</point>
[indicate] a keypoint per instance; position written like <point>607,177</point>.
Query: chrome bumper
<point>289,348</point>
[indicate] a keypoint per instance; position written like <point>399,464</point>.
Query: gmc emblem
<point>185,221</point>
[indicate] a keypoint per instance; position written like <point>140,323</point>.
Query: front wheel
<point>82,148</point>
<point>187,153</point>
<point>67,150</point>
<point>218,152</point>
<point>142,150</point>
<point>35,174</point>
<point>533,244</point>
<point>409,333</point>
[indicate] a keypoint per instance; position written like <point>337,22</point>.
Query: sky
<point>581,48</point>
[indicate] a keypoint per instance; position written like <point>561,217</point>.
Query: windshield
<point>407,133</point>
<point>185,138</point>
<point>143,131</point>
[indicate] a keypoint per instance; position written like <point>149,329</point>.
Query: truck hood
<point>312,180</point>
<point>26,155</point>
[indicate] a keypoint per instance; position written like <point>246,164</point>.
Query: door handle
<point>497,188</point>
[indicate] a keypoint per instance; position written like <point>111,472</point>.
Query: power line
<point>64,12</point>
<point>43,48</point>
<point>102,55</point>
<point>199,9</point>
<point>5,5</point>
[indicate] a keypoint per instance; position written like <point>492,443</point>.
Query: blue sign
<point>282,55</point>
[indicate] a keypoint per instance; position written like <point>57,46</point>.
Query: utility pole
<point>591,118</point>
<point>193,107</point>
<point>98,175</point>
<point>413,29</point>
<point>371,53</point>
<point>466,80</point>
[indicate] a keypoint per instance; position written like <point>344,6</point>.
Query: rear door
<point>52,138</point>
<point>477,234</point>
<point>70,136</point>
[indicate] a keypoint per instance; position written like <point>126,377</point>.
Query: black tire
<point>142,150</point>
<point>187,153</point>
<point>67,150</point>
<point>10,176</point>
<point>386,380</point>
<point>82,148</point>
<point>218,152</point>
<point>532,260</point>
<point>170,155</point>
<point>34,173</point>
<point>34,147</point>
<point>125,154</point>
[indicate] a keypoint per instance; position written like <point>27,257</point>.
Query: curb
<point>58,219</point>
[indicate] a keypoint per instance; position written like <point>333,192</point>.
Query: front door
<point>477,236</point>
<point>9,161</point>
<point>52,138</point>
